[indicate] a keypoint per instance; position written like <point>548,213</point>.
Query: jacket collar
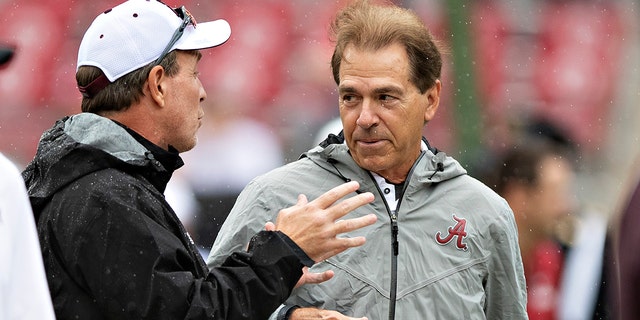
<point>333,155</point>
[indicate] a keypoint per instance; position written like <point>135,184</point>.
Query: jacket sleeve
<point>253,208</point>
<point>505,287</point>
<point>255,205</point>
<point>136,267</point>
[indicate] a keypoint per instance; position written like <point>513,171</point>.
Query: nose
<point>203,92</point>
<point>368,117</point>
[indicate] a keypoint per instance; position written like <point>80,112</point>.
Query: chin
<point>371,164</point>
<point>186,145</point>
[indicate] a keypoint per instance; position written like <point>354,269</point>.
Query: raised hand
<point>315,225</point>
<point>313,313</point>
<point>307,277</point>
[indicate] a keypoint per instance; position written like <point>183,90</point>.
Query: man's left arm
<point>506,287</point>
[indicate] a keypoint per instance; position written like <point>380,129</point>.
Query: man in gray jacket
<point>444,246</point>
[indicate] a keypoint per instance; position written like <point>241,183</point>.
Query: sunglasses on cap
<point>101,82</point>
<point>187,19</point>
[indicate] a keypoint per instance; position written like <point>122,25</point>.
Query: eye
<point>385,98</point>
<point>349,99</point>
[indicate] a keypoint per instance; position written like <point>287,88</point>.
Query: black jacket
<point>114,249</point>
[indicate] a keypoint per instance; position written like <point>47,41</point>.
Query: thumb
<point>270,226</point>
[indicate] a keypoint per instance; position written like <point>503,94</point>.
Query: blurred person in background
<point>444,246</point>
<point>563,245</point>
<point>24,294</point>
<point>626,275</point>
<point>536,180</point>
<point>113,248</point>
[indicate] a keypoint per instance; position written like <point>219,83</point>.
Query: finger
<point>344,207</point>
<point>309,277</point>
<point>302,200</point>
<point>341,244</point>
<point>270,226</point>
<point>319,277</point>
<point>350,242</point>
<point>330,197</point>
<point>314,278</point>
<point>348,225</point>
<point>330,314</point>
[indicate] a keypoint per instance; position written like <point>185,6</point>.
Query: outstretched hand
<point>313,313</point>
<point>315,225</point>
<point>307,277</point>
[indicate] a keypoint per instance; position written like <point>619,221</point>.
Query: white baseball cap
<point>135,33</point>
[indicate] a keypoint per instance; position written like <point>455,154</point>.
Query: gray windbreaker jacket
<point>456,255</point>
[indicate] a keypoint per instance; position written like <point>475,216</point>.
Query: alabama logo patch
<point>457,231</point>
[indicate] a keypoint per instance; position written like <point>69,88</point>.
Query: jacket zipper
<point>394,267</point>
<point>393,290</point>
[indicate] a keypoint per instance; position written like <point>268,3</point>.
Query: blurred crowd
<point>571,66</point>
<point>270,89</point>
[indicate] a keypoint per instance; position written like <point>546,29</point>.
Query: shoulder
<point>102,200</point>
<point>303,169</point>
<point>473,189</point>
<point>107,190</point>
<point>482,204</point>
<point>110,181</point>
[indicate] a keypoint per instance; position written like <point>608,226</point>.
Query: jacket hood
<point>437,166</point>
<point>77,146</point>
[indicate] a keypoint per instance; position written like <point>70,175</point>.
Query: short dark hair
<point>126,90</point>
<point>522,163</point>
<point>374,27</point>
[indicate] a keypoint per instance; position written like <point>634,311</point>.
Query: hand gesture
<point>314,226</point>
<point>313,313</point>
<point>307,277</point>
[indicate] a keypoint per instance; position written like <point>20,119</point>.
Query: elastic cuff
<point>285,312</point>
<point>304,258</point>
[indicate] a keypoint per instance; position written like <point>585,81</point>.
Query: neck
<point>141,122</point>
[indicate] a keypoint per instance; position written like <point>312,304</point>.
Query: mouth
<point>370,142</point>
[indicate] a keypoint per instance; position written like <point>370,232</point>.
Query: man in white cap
<point>112,246</point>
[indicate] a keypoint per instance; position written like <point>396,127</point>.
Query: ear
<point>433,101</point>
<point>155,85</point>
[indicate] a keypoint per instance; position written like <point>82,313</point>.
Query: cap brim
<point>204,35</point>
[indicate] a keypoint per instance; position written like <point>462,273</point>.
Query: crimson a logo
<point>455,231</point>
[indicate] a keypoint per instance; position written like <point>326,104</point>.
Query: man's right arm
<point>285,312</point>
<point>310,224</point>
<point>313,225</point>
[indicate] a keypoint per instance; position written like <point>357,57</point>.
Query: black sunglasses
<point>187,18</point>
